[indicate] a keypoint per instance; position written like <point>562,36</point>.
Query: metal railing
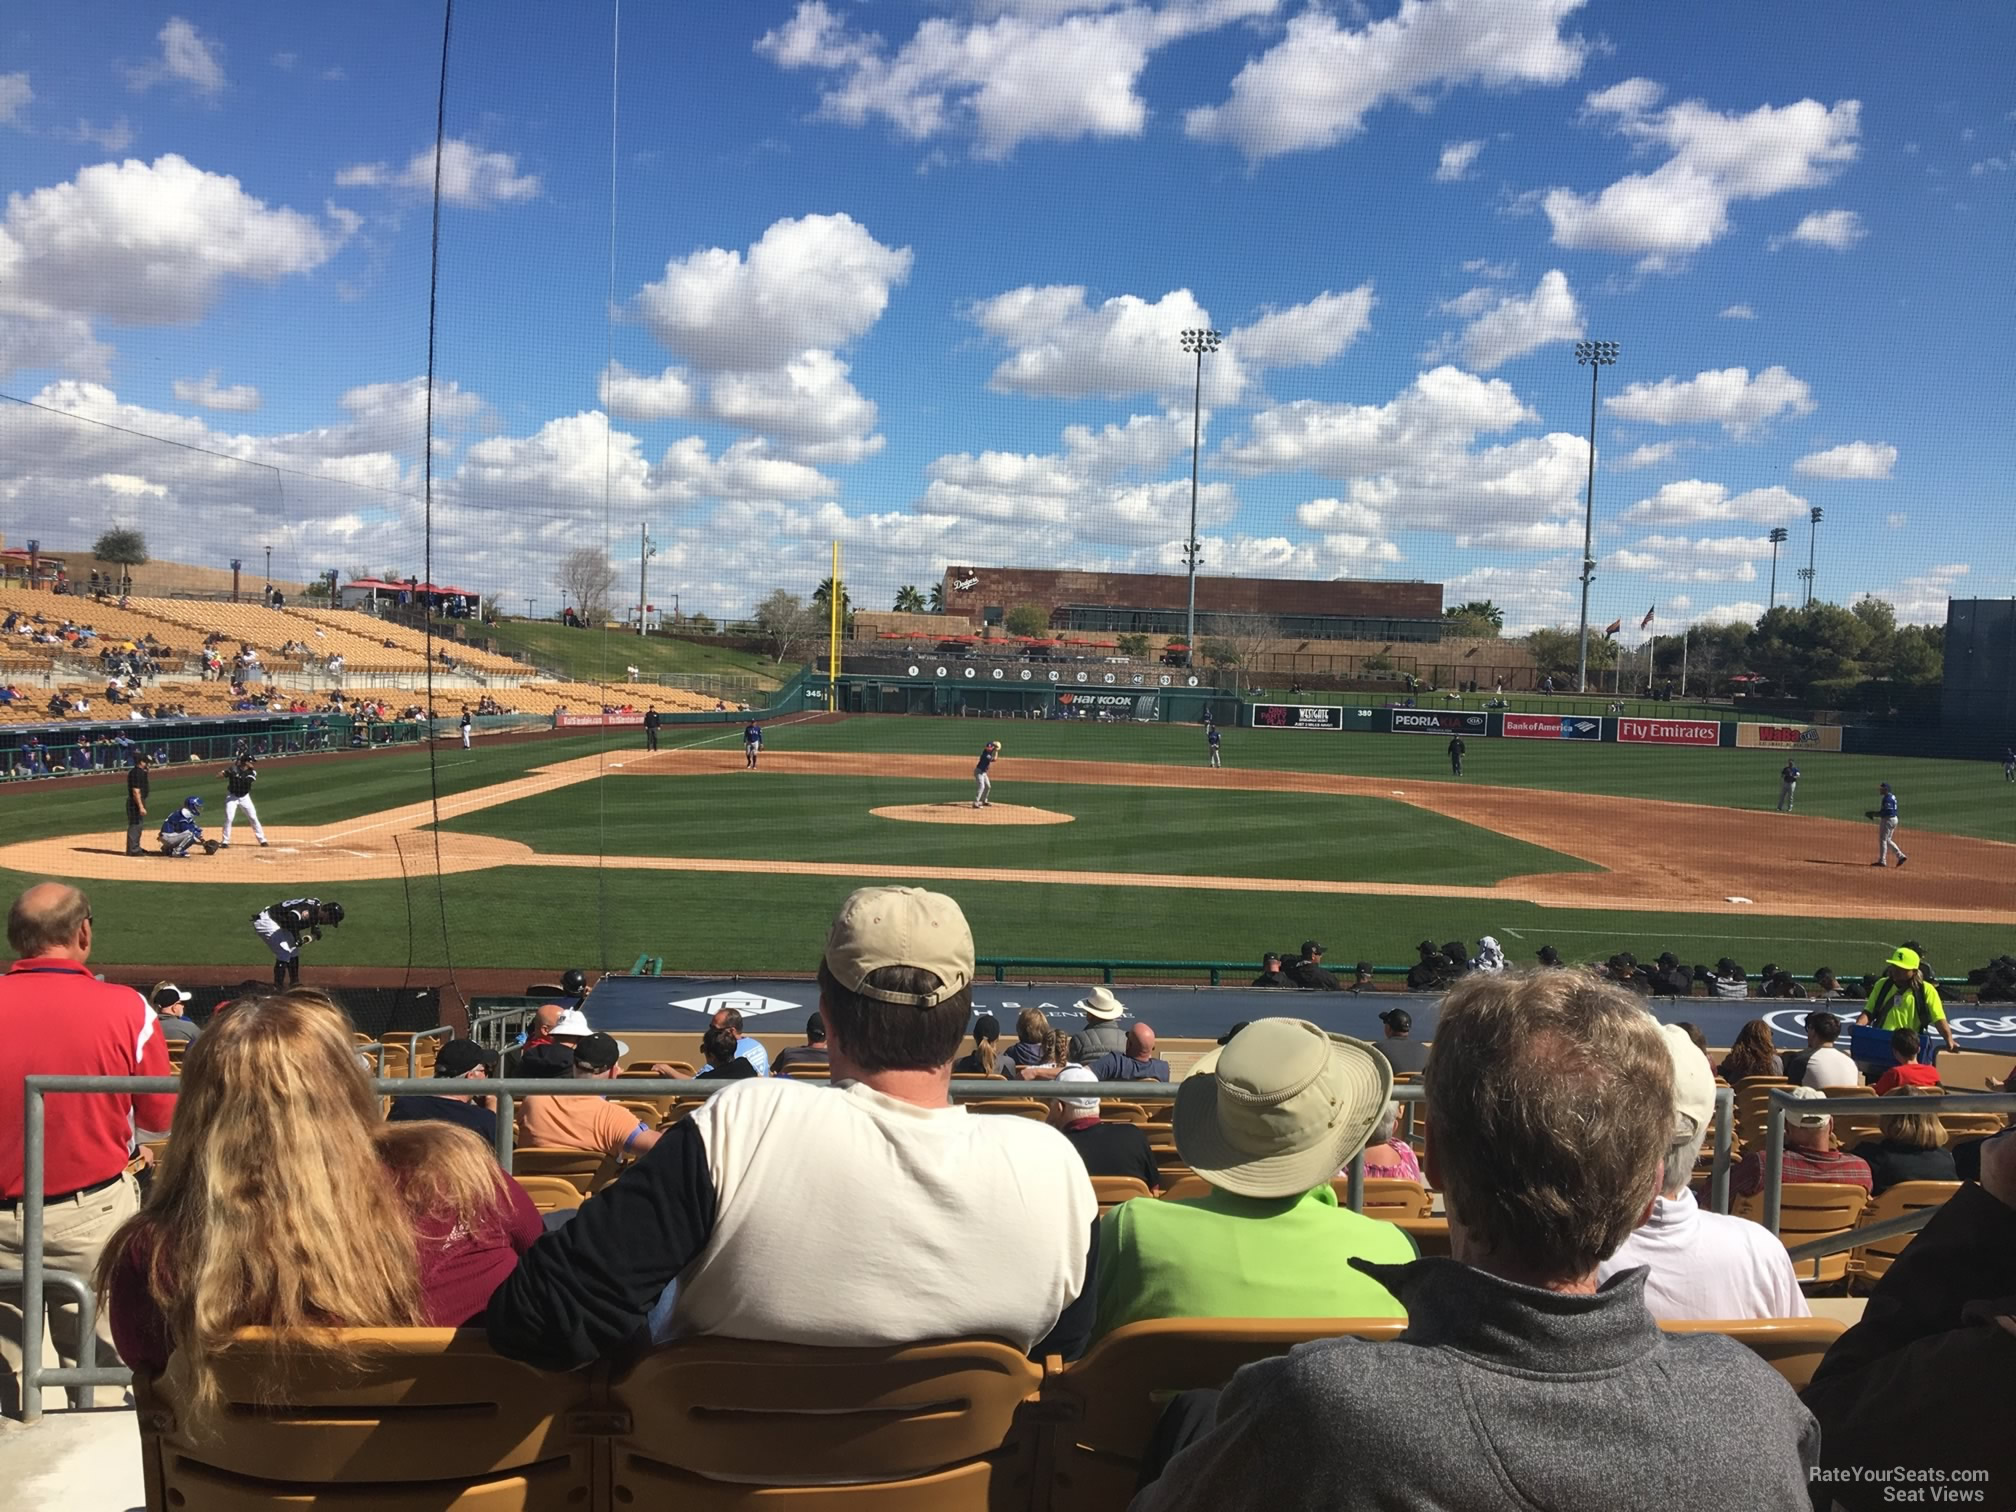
<point>1781,1102</point>
<point>36,1278</point>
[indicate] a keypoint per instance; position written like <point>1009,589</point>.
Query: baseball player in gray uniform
<point>1788,786</point>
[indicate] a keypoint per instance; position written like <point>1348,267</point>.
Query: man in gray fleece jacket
<point>1518,1382</point>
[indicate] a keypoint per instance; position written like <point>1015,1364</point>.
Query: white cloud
<point>1921,598</point>
<point>1896,521</point>
<point>138,244</point>
<point>639,396</point>
<point>15,95</point>
<point>129,486</point>
<point>1143,443</point>
<point>471,178</point>
<point>1857,459</point>
<point>1483,267</point>
<point>186,58</point>
<point>1027,73</point>
<point>1306,335</point>
<point>1651,454</point>
<point>818,282</point>
<point>1456,160</point>
<point>1471,302</point>
<point>1742,612</point>
<point>210,394</point>
<point>1533,597</point>
<point>808,403</point>
<point>1314,88</point>
<point>115,138</point>
<point>1694,502</point>
<point>1061,347</point>
<point>1716,160</point>
<point>1729,397</point>
<point>1992,165</point>
<point>1739,312</point>
<point>1516,326</point>
<point>1683,559</point>
<point>1837,230</point>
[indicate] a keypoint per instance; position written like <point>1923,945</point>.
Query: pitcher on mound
<point>982,783</point>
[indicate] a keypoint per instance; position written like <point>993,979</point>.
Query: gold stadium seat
<point>1012,1107</point>
<point>1791,1346</point>
<point>1387,1197</point>
<point>428,1418</point>
<point>713,1424</point>
<point>588,1170</point>
<point>1809,1210</point>
<point>1114,1190</point>
<point>1122,1112</point>
<point>551,1194</point>
<point>1753,1102</point>
<point>1430,1235</point>
<point>1868,1262</point>
<point>1186,1187</point>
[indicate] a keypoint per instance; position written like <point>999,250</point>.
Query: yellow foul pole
<point>833,602</point>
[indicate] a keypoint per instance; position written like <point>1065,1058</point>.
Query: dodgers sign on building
<point>1674,732</point>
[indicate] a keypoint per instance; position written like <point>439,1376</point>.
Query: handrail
<point>1867,1233</point>
<point>1781,1101</point>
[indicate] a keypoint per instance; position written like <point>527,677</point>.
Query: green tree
<point>1135,646</point>
<point>1028,619</point>
<point>1479,617</point>
<point>823,597</point>
<point>787,624</point>
<point>935,600</point>
<point>909,600</point>
<point>122,547</point>
<point>1556,653</point>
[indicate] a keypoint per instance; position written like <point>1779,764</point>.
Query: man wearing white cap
<point>1102,1032</point>
<point>1703,1265</point>
<point>170,1005</point>
<point>1810,1154</point>
<point>1267,1120</point>
<point>1108,1149</point>
<point>871,1213</point>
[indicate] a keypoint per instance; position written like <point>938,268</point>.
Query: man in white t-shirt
<point>872,1213</point>
<point>1826,1066</point>
<point>1703,1265</point>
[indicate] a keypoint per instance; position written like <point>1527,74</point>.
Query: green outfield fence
<point>78,749</point>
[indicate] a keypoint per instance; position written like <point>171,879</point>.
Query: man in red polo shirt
<point>56,1019</point>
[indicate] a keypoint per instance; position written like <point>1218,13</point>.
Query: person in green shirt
<point>1267,1120</point>
<point>1906,999</point>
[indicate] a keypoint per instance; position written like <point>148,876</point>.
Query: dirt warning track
<point>1656,855</point>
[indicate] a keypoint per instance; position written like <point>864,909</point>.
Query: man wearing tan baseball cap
<point>1267,1120</point>
<point>871,1212</point>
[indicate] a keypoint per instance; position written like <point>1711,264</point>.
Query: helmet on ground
<point>574,981</point>
<point>332,913</point>
<point>193,803</point>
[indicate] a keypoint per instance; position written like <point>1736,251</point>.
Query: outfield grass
<point>1121,829</point>
<point>602,655</point>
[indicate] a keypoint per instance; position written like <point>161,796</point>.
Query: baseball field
<point>1103,841</point>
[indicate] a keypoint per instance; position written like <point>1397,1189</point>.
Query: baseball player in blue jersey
<point>1885,815</point>
<point>182,831</point>
<point>752,744</point>
<point>2009,763</point>
<point>1213,740</point>
<point>983,784</point>
<point>1788,786</point>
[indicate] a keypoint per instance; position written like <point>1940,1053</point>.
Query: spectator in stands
<point>1108,1149</point>
<point>1826,984</point>
<point>1810,1154</point>
<point>1913,1147</point>
<point>1751,1055</point>
<point>1268,1121</point>
<point>1136,1062</point>
<point>1362,978</point>
<point>1780,983</point>
<point>1701,1265</point>
<point>1307,970</point>
<point>266,1215</point>
<point>1622,968</point>
<point>1826,1066</point>
<point>1729,980</point>
<point>811,1053</point>
<point>56,1018</point>
<point>986,1056</point>
<point>1028,1059</point>
<point>1457,954</point>
<point>1936,1330</point>
<point>1907,998</point>
<point>1388,1157</point>
<point>588,1123</point>
<point>1403,1054</point>
<point>1490,955</point>
<point>1102,1032</point>
<point>1430,973</point>
<point>747,1046</point>
<point>1271,974</point>
<point>1668,978</point>
<point>458,1060</point>
<point>723,1064</point>
<point>1553,1098</point>
<point>780,1209</point>
<point>1907,1071</point>
<point>169,1003</point>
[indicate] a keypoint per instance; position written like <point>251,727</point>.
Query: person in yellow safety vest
<point>1904,999</point>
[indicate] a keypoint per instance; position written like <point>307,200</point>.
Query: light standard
<point>269,572</point>
<point>1197,341</point>
<point>1594,355</point>
<point>646,549</point>
<point>1812,543</point>
<point>529,602</point>
<point>1779,535</point>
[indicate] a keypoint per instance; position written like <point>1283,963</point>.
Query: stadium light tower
<point>1812,544</point>
<point>1198,341</point>
<point>646,549</point>
<point>1779,535</point>
<point>1596,356</point>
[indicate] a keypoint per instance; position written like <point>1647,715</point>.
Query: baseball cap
<point>573,1024</point>
<point>1226,1037</point>
<point>599,1052</point>
<point>1280,1108</point>
<point>1079,1107</point>
<point>1816,1118</point>
<point>460,1057</point>
<point>1312,948</point>
<point>1905,957</point>
<point>900,926</point>
<point>167,995</point>
<point>1693,1082</point>
<point>1399,1020</point>
<point>1547,955</point>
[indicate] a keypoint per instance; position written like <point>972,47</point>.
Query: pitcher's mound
<point>965,813</point>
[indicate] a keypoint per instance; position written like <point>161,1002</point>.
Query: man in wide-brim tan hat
<point>1268,1120</point>
<point>1102,1033</point>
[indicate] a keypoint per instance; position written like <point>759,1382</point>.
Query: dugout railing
<point>36,1277</point>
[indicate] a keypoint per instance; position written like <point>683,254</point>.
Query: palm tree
<point>1479,609</point>
<point>909,600</point>
<point>823,597</point>
<point>936,602</point>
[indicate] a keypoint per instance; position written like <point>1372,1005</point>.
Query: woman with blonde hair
<point>1913,1147</point>
<point>1033,1056</point>
<point>285,1201</point>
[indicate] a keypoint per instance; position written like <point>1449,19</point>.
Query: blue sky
<point>912,276</point>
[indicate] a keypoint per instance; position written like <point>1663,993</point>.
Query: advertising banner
<point>1139,704</point>
<point>1673,732</point>
<point>595,721</point>
<point>1297,717</point>
<point>1440,722</point>
<point>1788,737</point>
<point>1553,727</point>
